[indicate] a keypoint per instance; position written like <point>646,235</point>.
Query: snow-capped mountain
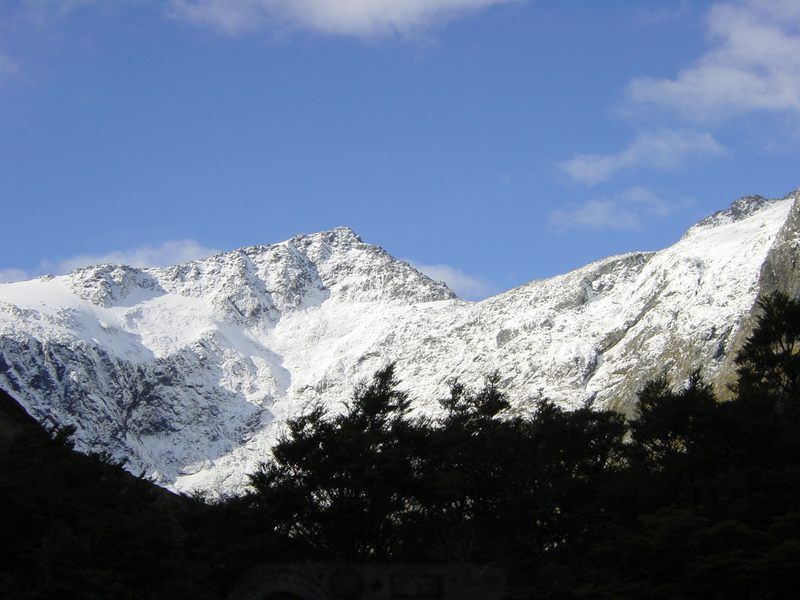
<point>189,371</point>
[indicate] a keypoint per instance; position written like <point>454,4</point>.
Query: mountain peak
<point>741,209</point>
<point>340,236</point>
<point>261,283</point>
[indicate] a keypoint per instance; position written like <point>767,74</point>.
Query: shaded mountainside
<point>81,527</point>
<point>188,372</point>
<point>75,527</point>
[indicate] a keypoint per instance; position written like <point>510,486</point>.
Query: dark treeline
<point>695,498</point>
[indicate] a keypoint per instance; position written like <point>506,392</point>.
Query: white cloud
<point>362,18</point>
<point>664,150</point>
<point>12,275</point>
<point>624,212</point>
<point>465,286</point>
<point>169,253</point>
<point>754,64</point>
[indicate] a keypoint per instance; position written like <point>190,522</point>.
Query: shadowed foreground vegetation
<point>693,499</point>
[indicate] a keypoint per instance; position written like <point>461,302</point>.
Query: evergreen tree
<point>344,485</point>
<point>769,361</point>
<point>670,424</point>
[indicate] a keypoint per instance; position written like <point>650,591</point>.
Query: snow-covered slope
<point>189,371</point>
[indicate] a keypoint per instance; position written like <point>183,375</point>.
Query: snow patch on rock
<point>188,372</point>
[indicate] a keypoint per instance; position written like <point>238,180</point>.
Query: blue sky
<point>491,142</point>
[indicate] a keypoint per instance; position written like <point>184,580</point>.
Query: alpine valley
<point>189,372</point>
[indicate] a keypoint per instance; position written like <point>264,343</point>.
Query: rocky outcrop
<point>780,271</point>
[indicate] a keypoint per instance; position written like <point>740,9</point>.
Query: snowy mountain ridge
<point>189,371</point>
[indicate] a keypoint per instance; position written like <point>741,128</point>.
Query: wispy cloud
<point>753,64</point>
<point>361,18</point>
<point>654,14</point>
<point>12,275</point>
<point>9,68</point>
<point>41,12</point>
<point>168,253</point>
<point>663,150</point>
<point>465,286</point>
<point>627,211</point>
<point>22,18</point>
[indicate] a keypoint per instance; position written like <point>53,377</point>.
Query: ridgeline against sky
<point>490,142</point>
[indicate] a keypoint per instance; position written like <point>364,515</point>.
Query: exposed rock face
<point>780,271</point>
<point>189,371</point>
